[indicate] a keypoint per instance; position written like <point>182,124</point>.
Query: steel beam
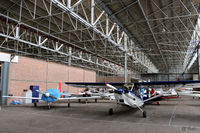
<point>147,21</point>
<point>80,19</point>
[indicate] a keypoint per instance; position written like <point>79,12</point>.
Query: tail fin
<point>59,88</point>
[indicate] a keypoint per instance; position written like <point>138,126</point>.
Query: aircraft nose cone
<point>47,94</point>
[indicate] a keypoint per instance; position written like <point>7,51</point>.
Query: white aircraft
<point>123,96</point>
<point>167,93</point>
<point>132,97</point>
<point>182,90</point>
<point>52,96</point>
<point>126,95</point>
<point>174,91</point>
<point>187,90</point>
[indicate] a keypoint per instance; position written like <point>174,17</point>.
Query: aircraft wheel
<point>95,100</point>
<point>35,104</point>
<point>68,105</point>
<point>144,114</point>
<point>79,100</point>
<point>110,111</point>
<point>49,107</point>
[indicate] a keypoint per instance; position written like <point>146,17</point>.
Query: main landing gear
<point>158,102</point>
<point>110,111</point>
<point>35,104</point>
<point>144,113</point>
<point>68,105</point>
<point>48,106</point>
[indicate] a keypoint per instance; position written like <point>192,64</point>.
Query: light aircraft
<point>187,90</point>
<point>123,95</point>
<point>52,96</point>
<point>131,95</point>
<point>182,90</point>
<point>103,92</point>
<point>177,91</point>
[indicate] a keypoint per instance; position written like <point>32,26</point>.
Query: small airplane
<point>183,90</point>
<point>52,96</point>
<point>104,92</point>
<point>131,95</point>
<point>175,92</point>
<point>187,90</point>
<point>123,95</point>
<point>167,94</point>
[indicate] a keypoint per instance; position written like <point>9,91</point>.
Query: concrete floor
<point>173,116</point>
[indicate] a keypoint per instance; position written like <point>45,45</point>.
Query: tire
<point>144,114</point>
<point>110,111</point>
<point>35,104</point>
<point>68,105</point>
<point>95,100</point>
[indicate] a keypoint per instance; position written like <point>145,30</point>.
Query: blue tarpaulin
<point>53,92</point>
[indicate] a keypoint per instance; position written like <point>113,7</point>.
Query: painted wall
<point>29,71</point>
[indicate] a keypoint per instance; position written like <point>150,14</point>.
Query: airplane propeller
<point>46,94</point>
<point>110,86</point>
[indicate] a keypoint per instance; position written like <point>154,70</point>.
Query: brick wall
<point>110,79</point>
<point>47,75</point>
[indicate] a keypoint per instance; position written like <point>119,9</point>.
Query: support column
<point>125,59</point>
<point>69,3</point>
<point>107,25</point>
<point>198,57</point>
<point>92,11</point>
<point>5,68</point>
<point>70,56</point>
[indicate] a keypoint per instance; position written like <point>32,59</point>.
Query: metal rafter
<point>153,34</point>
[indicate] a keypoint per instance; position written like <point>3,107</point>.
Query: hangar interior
<point>47,42</point>
<point>118,40</point>
<point>121,41</point>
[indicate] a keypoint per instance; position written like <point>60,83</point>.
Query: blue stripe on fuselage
<point>121,90</point>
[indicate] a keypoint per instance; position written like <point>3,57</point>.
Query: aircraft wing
<point>189,93</point>
<point>19,97</point>
<point>92,84</point>
<point>168,82</point>
<point>197,92</point>
<point>74,98</point>
<point>153,98</point>
<point>102,85</point>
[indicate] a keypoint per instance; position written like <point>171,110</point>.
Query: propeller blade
<point>46,95</point>
<point>110,86</point>
<point>53,97</point>
<point>40,92</point>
